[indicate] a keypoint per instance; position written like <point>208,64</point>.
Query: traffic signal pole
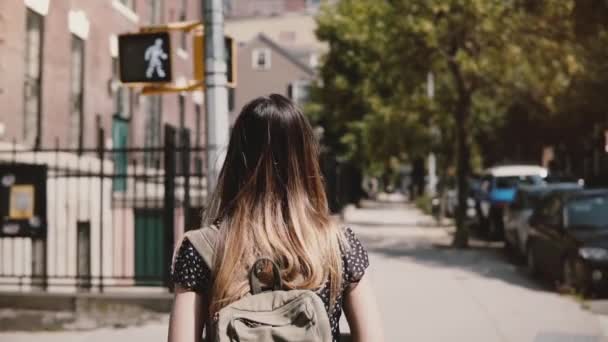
<point>216,91</point>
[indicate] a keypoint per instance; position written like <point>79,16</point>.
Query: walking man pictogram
<point>154,55</point>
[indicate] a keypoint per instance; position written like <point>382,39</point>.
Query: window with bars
<point>32,108</point>
<point>76,124</point>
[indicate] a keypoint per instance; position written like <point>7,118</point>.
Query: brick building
<point>58,61</point>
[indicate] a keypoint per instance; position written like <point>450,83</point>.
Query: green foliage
<point>485,55</point>
<point>424,203</point>
<point>372,98</point>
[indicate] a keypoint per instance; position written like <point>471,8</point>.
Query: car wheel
<point>568,277</point>
<point>531,265</point>
<point>572,278</point>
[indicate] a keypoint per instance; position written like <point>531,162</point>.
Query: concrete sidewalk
<point>426,291</point>
<point>430,292</point>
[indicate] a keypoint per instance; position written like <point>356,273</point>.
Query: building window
<point>121,95</point>
<point>260,59</point>
<point>32,108</point>
<point>152,138</point>
<point>182,17</point>
<point>155,8</point>
<point>76,125</point>
<point>299,91</point>
<point>181,104</point>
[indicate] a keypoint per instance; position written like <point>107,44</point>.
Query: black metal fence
<point>111,215</point>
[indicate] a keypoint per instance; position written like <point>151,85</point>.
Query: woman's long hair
<point>270,201</point>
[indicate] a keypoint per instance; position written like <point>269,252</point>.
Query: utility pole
<point>431,160</point>
<point>216,92</point>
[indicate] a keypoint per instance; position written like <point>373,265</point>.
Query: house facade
<point>275,55</point>
<point>265,67</point>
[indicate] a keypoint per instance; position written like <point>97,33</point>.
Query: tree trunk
<point>461,238</point>
<point>462,113</point>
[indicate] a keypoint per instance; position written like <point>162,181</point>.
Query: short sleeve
<point>190,270</point>
<point>355,259</point>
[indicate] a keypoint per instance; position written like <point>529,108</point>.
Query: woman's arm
<point>362,313</point>
<point>187,317</point>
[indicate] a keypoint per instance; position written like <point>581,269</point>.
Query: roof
<point>285,53</point>
<point>301,25</point>
<point>517,170</point>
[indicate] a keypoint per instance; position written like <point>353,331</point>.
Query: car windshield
<point>588,212</point>
<point>508,182</point>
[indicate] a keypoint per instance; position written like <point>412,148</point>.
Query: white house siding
<point>68,201</point>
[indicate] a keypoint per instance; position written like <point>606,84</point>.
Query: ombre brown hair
<point>270,201</point>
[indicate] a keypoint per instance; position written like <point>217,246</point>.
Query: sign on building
<point>23,200</point>
<point>145,57</point>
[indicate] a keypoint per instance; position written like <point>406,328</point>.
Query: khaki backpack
<point>263,316</point>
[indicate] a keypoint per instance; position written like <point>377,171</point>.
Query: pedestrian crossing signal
<point>230,54</point>
<point>145,57</point>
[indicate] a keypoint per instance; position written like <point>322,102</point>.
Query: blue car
<point>497,191</point>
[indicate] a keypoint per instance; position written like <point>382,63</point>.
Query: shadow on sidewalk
<point>481,258</point>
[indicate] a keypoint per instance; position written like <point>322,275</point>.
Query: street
<point>426,290</point>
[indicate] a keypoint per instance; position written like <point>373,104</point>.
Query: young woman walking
<point>270,202</point>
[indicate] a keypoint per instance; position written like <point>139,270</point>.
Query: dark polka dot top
<point>191,273</point>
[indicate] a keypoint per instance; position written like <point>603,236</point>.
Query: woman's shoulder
<point>354,256</point>
<point>189,270</point>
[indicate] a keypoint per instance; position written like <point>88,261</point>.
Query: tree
<point>484,53</point>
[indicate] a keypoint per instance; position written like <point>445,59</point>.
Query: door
<point>555,240</point>
<point>548,233</point>
<point>149,247</point>
<point>83,252</point>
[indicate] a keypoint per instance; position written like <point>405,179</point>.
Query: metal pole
<point>216,93</point>
<point>101,207</point>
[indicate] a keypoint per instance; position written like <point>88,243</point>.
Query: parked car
<point>497,190</point>
<point>568,240</point>
<point>518,213</point>
<point>451,200</point>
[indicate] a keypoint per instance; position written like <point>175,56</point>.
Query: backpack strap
<point>204,241</point>
<point>259,267</point>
